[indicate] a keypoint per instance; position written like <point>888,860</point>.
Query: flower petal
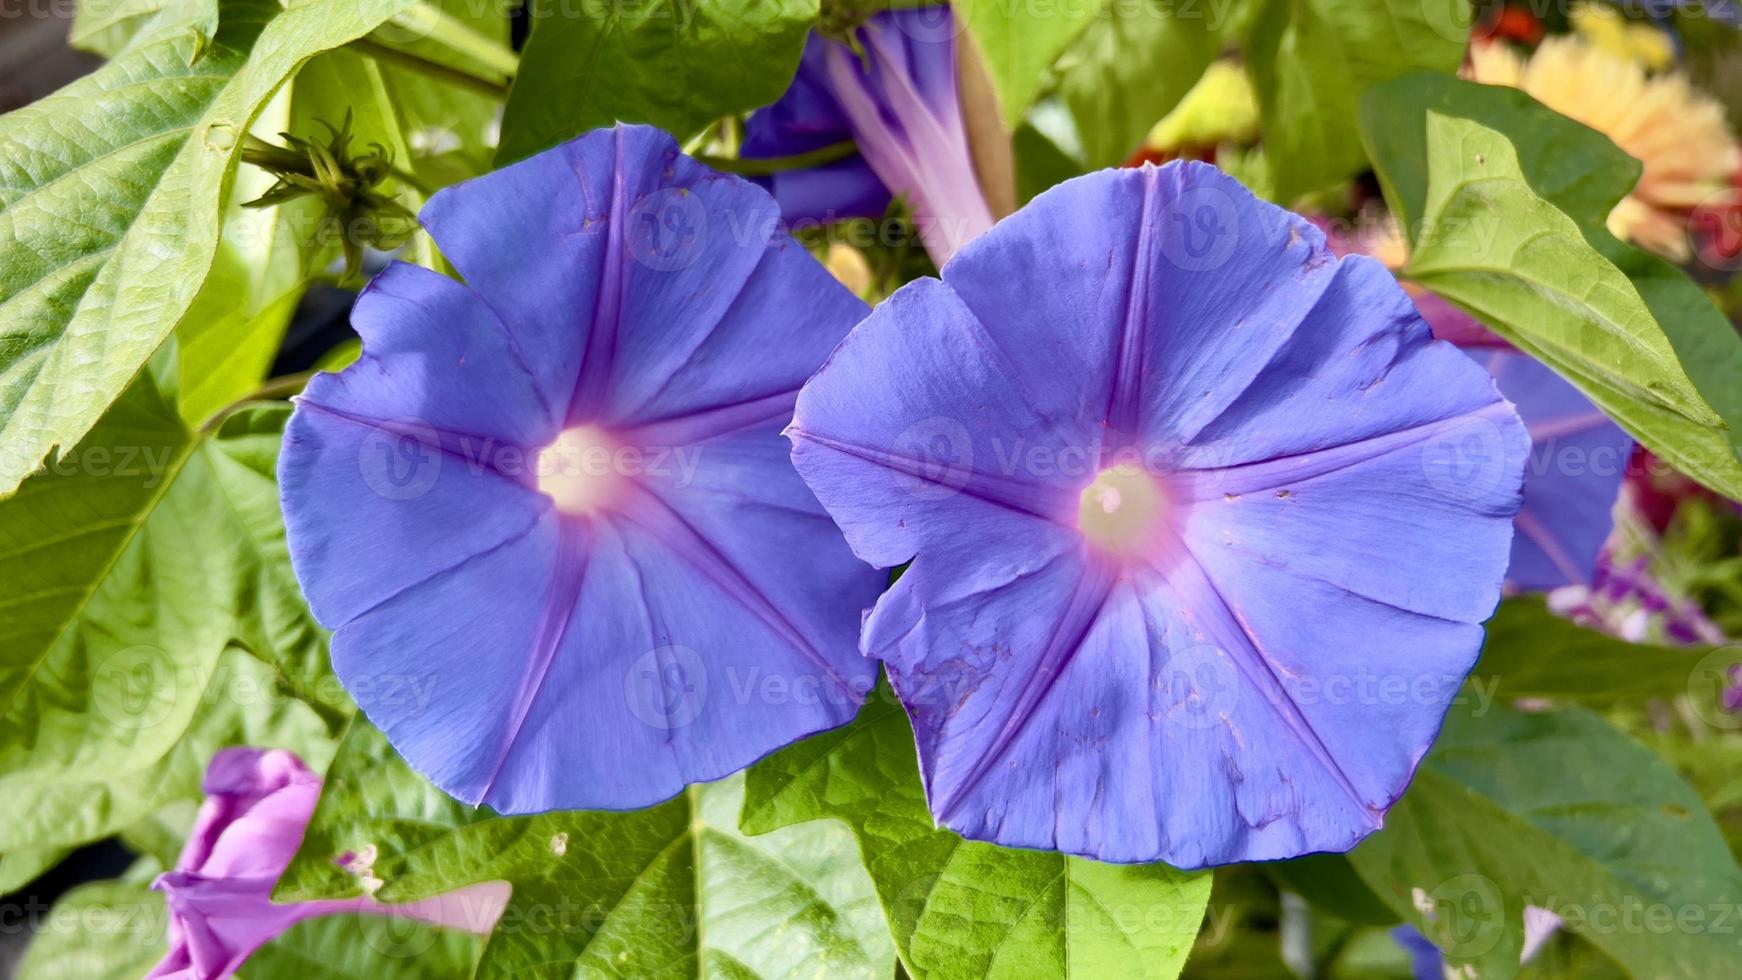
<point>470,641</point>
<point>434,355</point>
<point>1358,367</point>
<point>905,427</point>
<point>257,803</point>
<point>1177,311</point>
<point>677,665</point>
<point>1071,708</point>
<point>726,339</point>
<point>1578,459</point>
<point>373,509</point>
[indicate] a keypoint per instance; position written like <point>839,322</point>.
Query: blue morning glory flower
<point>1577,461</point>
<point>549,513</point>
<point>898,101</point>
<point>1203,522</point>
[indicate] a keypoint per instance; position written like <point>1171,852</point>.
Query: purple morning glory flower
<point>1577,461</point>
<point>1203,522</point>
<point>898,101</point>
<point>258,804</point>
<point>549,513</point>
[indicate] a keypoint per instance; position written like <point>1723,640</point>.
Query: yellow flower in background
<point>1220,108</point>
<point>1676,131</point>
<point>1385,240</point>
<point>1606,28</point>
<point>847,264</point>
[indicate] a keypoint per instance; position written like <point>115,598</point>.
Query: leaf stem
<point>272,389</point>
<point>764,166</point>
<point>433,24</point>
<point>495,88</point>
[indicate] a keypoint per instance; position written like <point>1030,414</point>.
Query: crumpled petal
<point>533,657</point>
<point>258,804</point>
<point>1228,688</point>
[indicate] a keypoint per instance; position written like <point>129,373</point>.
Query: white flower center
<point>1121,511</point>
<point>580,471</point>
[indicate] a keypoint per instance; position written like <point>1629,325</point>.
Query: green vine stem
<point>764,166</point>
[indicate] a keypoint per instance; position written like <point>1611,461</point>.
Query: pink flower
<point>258,804</point>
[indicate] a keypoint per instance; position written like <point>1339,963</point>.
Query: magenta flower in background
<point>1625,599</point>
<point>1187,500</point>
<point>1450,323</point>
<point>549,512</point>
<point>258,803</point>
<point>898,101</point>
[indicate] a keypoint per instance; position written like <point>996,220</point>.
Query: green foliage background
<point>151,617</point>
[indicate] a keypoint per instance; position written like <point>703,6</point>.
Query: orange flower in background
<point>1677,132</point>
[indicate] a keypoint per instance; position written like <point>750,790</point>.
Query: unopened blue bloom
<point>898,101</point>
<point>1203,522</point>
<point>549,512</point>
<point>1577,460</point>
